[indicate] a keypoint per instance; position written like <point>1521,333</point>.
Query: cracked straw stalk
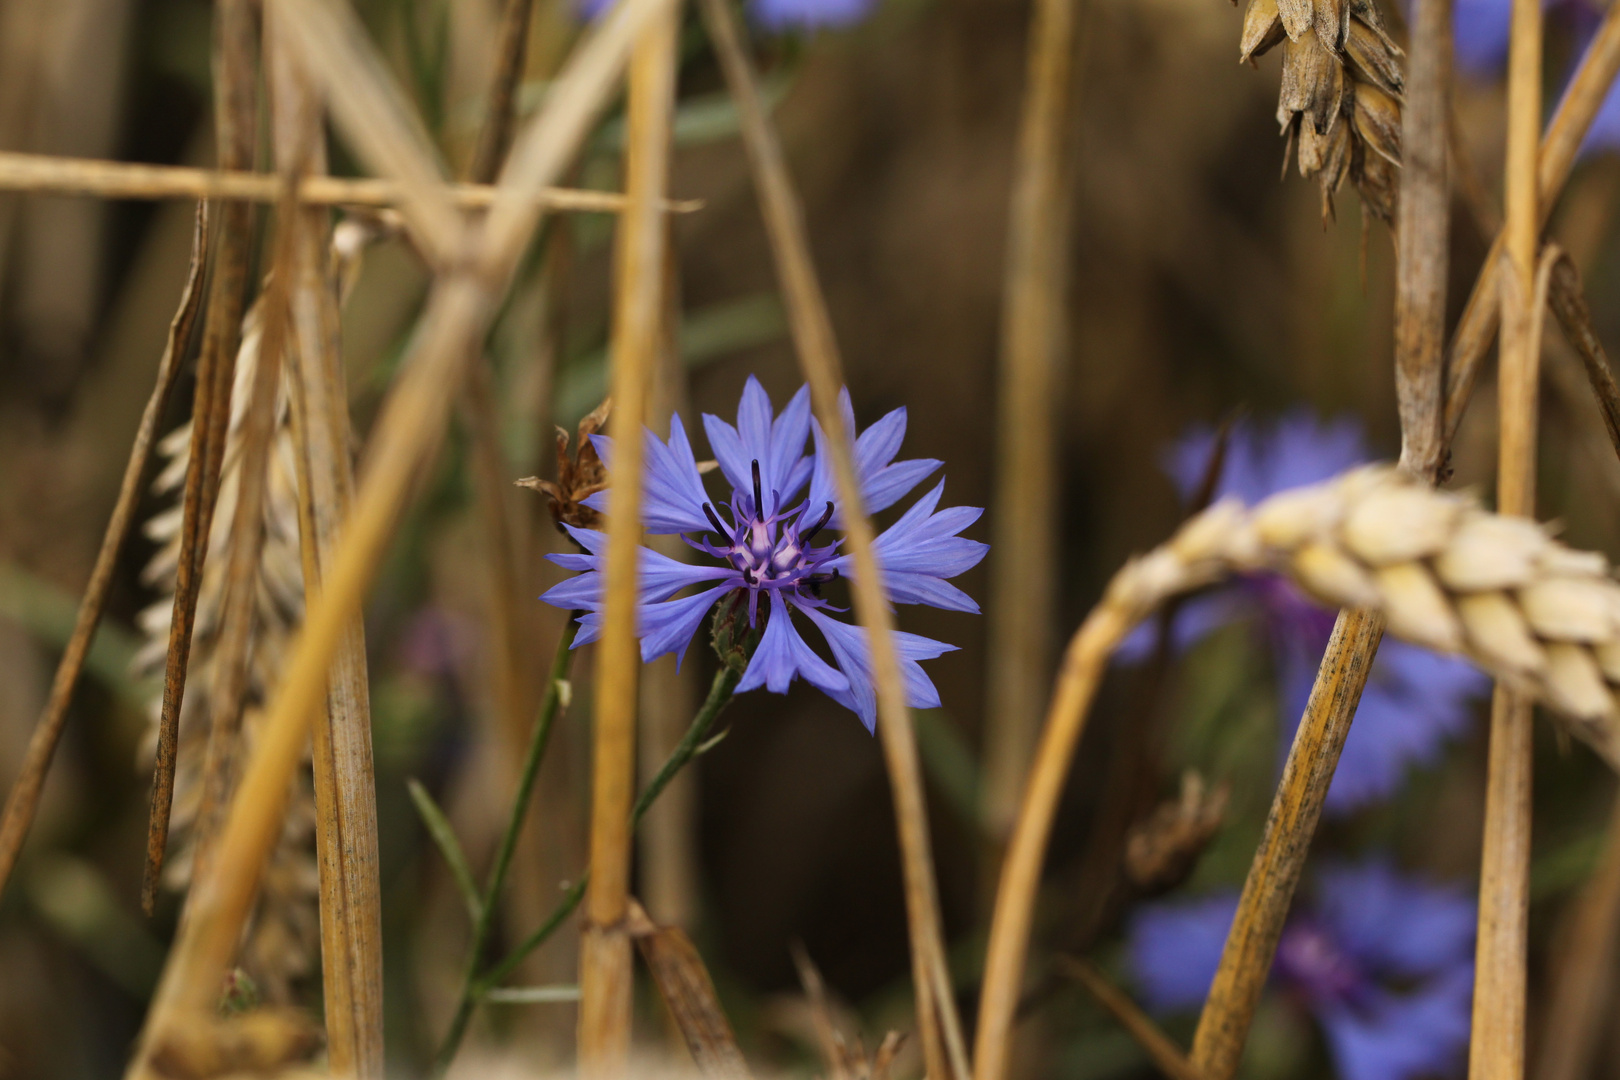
<point>1443,572</point>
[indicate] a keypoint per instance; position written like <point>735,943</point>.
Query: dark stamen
<point>820,524</point>
<point>759,499</point>
<point>714,519</point>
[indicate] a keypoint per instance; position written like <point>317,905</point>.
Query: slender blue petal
<point>592,540</point>
<point>918,551</point>
<point>786,457</point>
<point>777,445</point>
<point>882,484</point>
<point>672,489</point>
<point>669,627</point>
<point>854,658</point>
<point>1174,948</point>
<point>661,577</point>
<point>783,656</point>
<point>928,590</point>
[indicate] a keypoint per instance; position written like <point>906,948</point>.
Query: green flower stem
<point>485,922</point>
<point>476,987</point>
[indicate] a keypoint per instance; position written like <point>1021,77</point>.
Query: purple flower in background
<point>780,16</point>
<point>1383,962</point>
<point>1481,30</point>
<point>765,546</point>
<point>1480,35</point>
<point>1415,699</point>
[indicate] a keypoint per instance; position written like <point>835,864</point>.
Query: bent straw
<point>605,975</point>
<point>407,433</point>
<point>23,800</point>
<point>1446,574</point>
<point>817,350</point>
<point>1554,161</point>
<point>1496,1045</point>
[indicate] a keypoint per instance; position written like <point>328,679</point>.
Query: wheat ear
<point>281,946</point>
<point>1443,572</point>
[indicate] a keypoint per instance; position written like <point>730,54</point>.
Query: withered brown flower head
<point>1341,95</point>
<point>579,474</point>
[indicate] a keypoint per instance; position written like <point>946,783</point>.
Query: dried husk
<point>1339,102</point>
<point>281,945</point>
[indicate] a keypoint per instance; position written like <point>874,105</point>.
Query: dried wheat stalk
<point>280,948</point>
<point>1342,88</point>
<point>1442,572</point>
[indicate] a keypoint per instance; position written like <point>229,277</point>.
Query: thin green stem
<point>485,922</point>
<point>476,987</point>
<point>720,691</point>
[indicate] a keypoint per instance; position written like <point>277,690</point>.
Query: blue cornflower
<point>765,547</point>
<point>1385,964</point>
<point>780,16</point>
<point>1415,699</point>
<point>1481,29</point>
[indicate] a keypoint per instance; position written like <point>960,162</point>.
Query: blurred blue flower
<point>780,16</point>
<point>1415,699</point>
<point>783,15</point>
<point>1481,30</point>
<point>766,547</point>
<point>1383,962</point>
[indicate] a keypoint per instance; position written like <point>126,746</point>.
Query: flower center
<point>771,547</point>
<point>1314,962</point>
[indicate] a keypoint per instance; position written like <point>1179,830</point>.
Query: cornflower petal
<point>1394,924</point>
<point>854,658</point>
<point>882,484</point>
<point>670,626</point>
<point>920,550</point>
<point>1402,1036</point>
<point>778,446</point>
<point>660,577</point>
<point>1480,35</point>
<point>672,489</point>
<point>783,656</point>
<point>1174,949</point>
